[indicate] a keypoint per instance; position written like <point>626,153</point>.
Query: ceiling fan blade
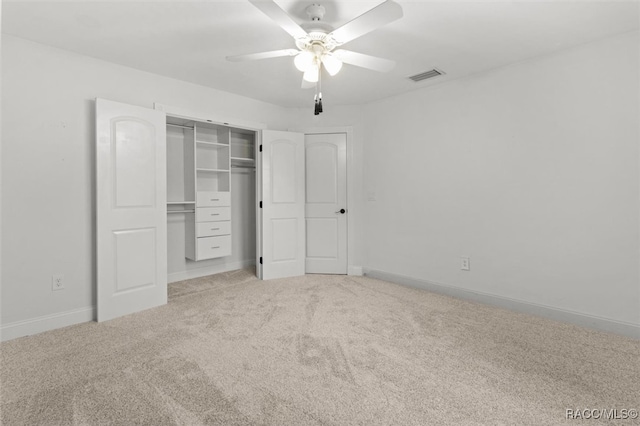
<point>380,15</point>
<point>263,55</point>
<point>307,84</point>
<point>273,11</point>
<point>364,61</point>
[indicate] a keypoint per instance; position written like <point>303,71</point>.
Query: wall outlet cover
<point>465,263</point>
<point>57,282</point>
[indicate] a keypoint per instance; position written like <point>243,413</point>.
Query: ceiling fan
<point>316,41</point>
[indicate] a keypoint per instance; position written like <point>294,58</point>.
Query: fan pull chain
<point>317,99</point>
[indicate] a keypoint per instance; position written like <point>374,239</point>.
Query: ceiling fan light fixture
<point>304,61</point>
<point>312,73</point>
<point>331,64</point>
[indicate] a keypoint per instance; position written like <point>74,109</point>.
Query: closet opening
<point>211,198</point>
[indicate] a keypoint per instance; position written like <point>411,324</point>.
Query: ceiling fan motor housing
<point>316,13</point>
<point>315,39</point>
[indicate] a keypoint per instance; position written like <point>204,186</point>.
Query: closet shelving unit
<point>181,196</point>
<point>199,181</point>
<point>213,192</point>
<point>242,148</point>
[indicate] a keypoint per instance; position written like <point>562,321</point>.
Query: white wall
<point>48,222</point>
<point>531,170</point>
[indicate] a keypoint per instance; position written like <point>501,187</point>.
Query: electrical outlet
<point>57,282</point>
<point>465,265</point>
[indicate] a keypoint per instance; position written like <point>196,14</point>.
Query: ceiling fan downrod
<point>315,12</point>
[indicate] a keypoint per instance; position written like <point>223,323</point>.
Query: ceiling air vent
<point>425,75</point>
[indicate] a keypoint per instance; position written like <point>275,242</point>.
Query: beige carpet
<point>330,350</point>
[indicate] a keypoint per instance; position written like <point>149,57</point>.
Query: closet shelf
<point>180,211</point>
<point>180,202</point>
<point>243,159</point>
<point>180,126</point>
<point>212,170</point>
<point>213,144</point>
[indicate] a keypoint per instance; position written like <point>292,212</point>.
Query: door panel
<point>326,195</point>
<point>285,232</point>
<point>134,163</point>
<point>135,261</point>
<point>283,172</point>
<point>322,172</point>
<point>323,238</point>
<point>131,216</point>
<point>283,204</point>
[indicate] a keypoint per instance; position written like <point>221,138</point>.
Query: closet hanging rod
<point>181,211</point>
<point>178,125</point>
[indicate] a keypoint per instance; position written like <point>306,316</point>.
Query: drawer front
<point>211,229</point>
<point>212,247</point>
<point>209,214</point>
<point>213,199</point>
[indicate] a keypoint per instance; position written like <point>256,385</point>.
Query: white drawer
<point>212,247</point>
<point>211,229</point>
<point>209,214</point>
<point>213,199</point>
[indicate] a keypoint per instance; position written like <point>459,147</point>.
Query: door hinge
<point>260,147</point>
<point>261,260</point>
<point>260,204</point>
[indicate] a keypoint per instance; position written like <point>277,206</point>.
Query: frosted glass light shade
<point>303,61</point>
<point>332,64</point>
<point>311,74</point>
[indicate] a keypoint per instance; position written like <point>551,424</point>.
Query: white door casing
<point>326,203</point>
<point>131,211</point>
<point>283,223</point>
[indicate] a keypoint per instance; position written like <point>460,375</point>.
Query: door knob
<point>341,211</point>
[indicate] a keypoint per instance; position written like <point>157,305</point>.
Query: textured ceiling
<point>189,40</point>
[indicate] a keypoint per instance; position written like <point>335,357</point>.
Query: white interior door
<point>131,209</point>
<point>283,250</point>
<point>326,203</point>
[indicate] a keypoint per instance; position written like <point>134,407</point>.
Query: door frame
<point>351,190</point>
<point>232,122</point>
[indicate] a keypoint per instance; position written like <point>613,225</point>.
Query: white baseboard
<point>354,270</point>
<point>209,270</point>
<point>46,323</point>
<point>584,320</point>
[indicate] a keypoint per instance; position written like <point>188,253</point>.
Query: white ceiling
<point>189,40</point>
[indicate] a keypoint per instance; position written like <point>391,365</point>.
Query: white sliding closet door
<point>131,209</point>
<point>283,204</point>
